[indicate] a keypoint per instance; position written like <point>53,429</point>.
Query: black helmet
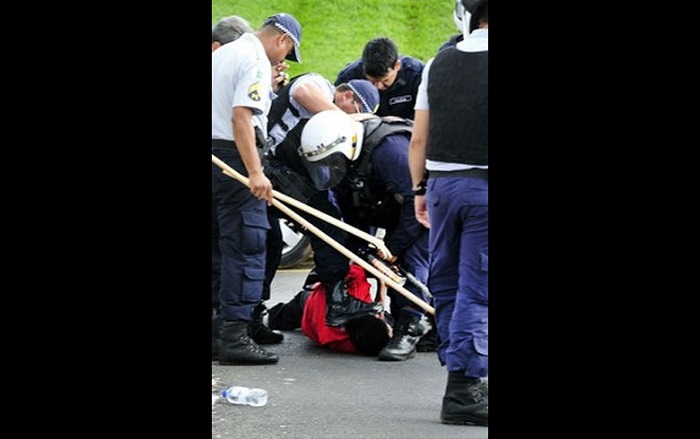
<point>472,6</point>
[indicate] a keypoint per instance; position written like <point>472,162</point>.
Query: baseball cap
<point>367,93</point>
<point>290,26</point>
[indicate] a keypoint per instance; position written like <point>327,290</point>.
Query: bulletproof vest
<point>375,205</point>
<point>459,107</point>
<point>280,104</point>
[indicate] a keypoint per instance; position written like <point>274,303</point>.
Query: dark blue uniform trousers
<point>241,220</point>
<point>415,261</point>
<point>458,274</point>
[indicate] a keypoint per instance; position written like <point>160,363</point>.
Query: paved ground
<point>317,393</point>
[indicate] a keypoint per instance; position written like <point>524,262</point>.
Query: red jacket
<point>313,322</point>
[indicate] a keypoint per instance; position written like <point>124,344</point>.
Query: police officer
<point>450,140</point>
<point>295,103</point>
<point>224,31</point>
<point>396,77</point>
<point>365,162</point>
<point>429,342</point>
<point>228,29</point>
<point>241,83</point>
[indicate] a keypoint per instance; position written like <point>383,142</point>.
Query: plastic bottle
<point>245,396</point>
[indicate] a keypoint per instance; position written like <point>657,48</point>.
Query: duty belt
<point>474,173</point>
<point>220,143</point>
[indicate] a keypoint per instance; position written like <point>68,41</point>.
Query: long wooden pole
<point>306,208</point>
<point>330,241</point>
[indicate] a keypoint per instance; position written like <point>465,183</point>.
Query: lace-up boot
<point>466,400</point>
<point>402,346</point>
<point>261,333</point>
<point>236,346</point>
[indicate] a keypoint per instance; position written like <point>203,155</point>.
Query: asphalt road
<point>318,393</point>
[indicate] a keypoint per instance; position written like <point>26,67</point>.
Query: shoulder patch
<point>254,92</point>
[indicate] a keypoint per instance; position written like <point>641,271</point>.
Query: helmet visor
<point>327,172</point>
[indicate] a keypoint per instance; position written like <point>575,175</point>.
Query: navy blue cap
<point>290,26</point>
<point>368,94</point>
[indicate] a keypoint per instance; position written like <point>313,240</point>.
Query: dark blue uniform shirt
<point>390,168</point>
<point>397,100</point>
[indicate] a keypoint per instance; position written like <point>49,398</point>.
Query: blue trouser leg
<point>243,226</point>
<point>331,265</point>
<point>275,245</point>
<point>415,261</point>
<point>458,210</point>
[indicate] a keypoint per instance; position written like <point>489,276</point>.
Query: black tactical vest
<point>459,110</point>
<point>374,205</point>
<point>280,104</point>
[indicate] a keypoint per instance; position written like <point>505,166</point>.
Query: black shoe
<point>341,306</point>
<point>264,335</point>
<point>466,401</point>
<point>215,328</point>
<point>402,346</point>
<point>236,346</point>
<point>261,333</point>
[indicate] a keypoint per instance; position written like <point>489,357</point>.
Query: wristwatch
<point>421,187</point>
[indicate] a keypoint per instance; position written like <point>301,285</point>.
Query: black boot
<point>236,346</point>
<point>428,342</point>
<point>341,306</point>
<point>216,322</point>
<point>261,333</point>
<point>466,400</point>
<point>408,330</point>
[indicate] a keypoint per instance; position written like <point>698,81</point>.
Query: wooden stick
<point>330,241</point>
<point>352,256</point>
<point>308,209</point>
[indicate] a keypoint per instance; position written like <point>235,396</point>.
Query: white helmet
<point>459,16</point>
<point>470,8</point>
<point>329,141</point>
